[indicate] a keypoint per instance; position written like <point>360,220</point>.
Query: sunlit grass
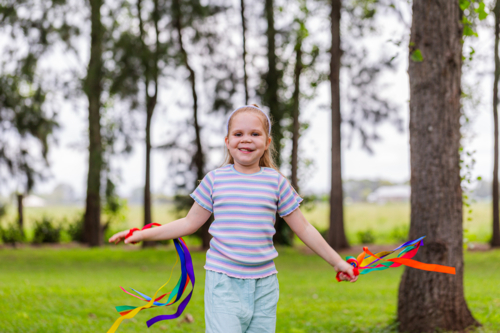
<point>75,290</point>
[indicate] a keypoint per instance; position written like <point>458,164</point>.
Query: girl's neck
<point>248,169</point>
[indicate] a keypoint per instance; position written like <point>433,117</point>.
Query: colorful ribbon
<point>367,262</point>
<point>128,312</point>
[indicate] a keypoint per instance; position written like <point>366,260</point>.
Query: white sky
<point>390,159</point>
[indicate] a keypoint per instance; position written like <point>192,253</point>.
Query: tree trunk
<point>295,115</point>
<point>150,101</point>
<point>244,30</point>
<point>430,301</point>
<point>198,158</point>
<point>93,89</point>
<point>20,219</point>
<point>336,234</point>
<point>495,239</point>
<point>271,79</point>
<point>283,235</point>
<point>147,183</point>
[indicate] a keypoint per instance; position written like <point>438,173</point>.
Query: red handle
<point>147,226</point>
<point>355,271</point>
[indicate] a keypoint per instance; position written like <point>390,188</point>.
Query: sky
<point>390,159</point>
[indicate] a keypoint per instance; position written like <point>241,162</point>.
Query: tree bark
<point>244,30</point>
<point>271,79</point>
<point>283,235</point>
<point>150,101</point>
<point>20,218</point>
<point>336,233</point>
<point>93,90</point>
<point>198,158</point>
<point>431,301</point>
<point>495,239</point>
<point>295,115</point>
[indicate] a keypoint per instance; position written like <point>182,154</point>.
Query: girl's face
<point>247,141</point>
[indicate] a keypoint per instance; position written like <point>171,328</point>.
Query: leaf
<point>416,56</point>
<point>464,4</point>
<point>482,14</point>
<point>468,31</point>
<point>479,178</point>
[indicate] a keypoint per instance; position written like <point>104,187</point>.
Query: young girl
<point>241,287</point>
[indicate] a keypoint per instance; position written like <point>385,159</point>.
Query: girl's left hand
<point>347,272</point>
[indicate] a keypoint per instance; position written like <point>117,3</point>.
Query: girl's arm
<point>313,239</point>
<point>195,218</point>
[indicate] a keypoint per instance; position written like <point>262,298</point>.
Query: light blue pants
<point>235,305</point>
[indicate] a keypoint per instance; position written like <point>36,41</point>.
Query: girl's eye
<point>237,134</point>
<point>255,134</point>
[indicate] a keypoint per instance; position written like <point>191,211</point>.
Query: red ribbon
<point>147,226</point>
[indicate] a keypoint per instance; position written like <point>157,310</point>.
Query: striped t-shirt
<point>244,207</point>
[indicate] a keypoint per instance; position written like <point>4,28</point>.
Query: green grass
<point>75,290</point>
<point>385,221</point>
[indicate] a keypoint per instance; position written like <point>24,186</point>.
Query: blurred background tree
<point>28,93</point>
<point>495,238</point>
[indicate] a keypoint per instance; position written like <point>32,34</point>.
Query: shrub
<point>12,234</point>
<point>3,209</point>
<point>46,232</point>
<point>324,233</point>
<point>75,229</point>
<point>366,237</point>
<point>400,234</point>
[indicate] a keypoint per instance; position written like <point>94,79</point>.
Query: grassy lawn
<point>385,222</point>
<point>76,289</point>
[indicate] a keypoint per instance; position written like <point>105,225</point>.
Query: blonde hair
<point>267,159</point>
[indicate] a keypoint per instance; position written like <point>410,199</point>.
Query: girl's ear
<point>226,140</point>
<point>268,142</point>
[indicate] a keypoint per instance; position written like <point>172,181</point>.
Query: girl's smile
<point>247,141</point>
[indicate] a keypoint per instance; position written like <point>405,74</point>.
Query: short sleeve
<point>203,193</point>
<point>288,200</point>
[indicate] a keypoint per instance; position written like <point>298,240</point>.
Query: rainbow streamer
<point>128,312</point>
<point>367,262</point>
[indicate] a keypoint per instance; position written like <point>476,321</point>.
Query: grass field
<point>387,223</point>
<point>75,290</point>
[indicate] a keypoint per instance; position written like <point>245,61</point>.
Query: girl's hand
<point>347,271</point>
<point>118,237</point>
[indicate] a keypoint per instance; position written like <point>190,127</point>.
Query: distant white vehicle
<point>383,194</point>
<point>33,201</point>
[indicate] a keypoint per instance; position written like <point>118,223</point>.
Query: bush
<point>75,229</point>
<point>3,209</point>
<point>12,234</point>
<point>46,232</point>
<point>400,234</point>
<point>366,237</point>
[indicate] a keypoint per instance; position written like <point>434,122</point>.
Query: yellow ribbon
<point>132,313</point>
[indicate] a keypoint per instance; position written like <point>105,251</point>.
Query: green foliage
<point>75,229</point>
<point>366,237</point>
<point>12,234</point>
<point>30,29</point>
<point>46,232</point>
<point>473,11</point>
<point>3,209</point>
<point>400,233</point>
<point>115,208</point>
<point>416,56</point>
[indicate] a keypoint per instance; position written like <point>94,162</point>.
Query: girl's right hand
<point>119,236</point>
<point>347,271</point>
